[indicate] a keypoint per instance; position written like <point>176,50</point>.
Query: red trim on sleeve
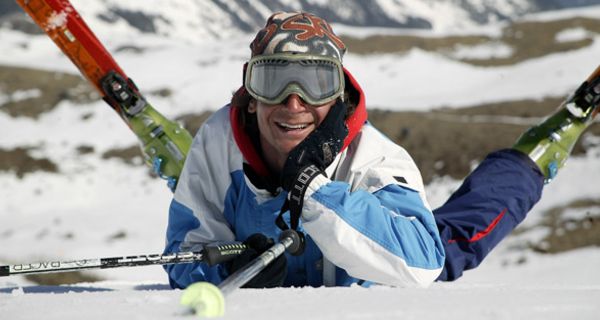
<point>482,234</point>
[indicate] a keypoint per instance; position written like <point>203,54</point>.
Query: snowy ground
<point>561,287</point>
<point>101,208</point>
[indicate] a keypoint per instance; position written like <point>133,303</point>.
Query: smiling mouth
<point>292,127</point>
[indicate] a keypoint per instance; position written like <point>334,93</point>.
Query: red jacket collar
<point>251,155</point>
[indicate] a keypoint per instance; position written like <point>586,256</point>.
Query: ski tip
<point>205,299</point>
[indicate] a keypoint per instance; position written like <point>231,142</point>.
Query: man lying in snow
<point>294,149</point>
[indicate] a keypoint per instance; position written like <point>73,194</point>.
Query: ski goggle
<point>316,79</point>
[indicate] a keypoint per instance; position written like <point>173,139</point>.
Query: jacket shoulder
<point>217,123</point>
<point>213,156</point>
<point>373,161</point>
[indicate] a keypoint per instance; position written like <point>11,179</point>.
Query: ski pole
<point>211,254</point>
<point>208,300</point>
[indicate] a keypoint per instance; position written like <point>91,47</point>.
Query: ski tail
<point>550,143</point>
<point>63,24</point>
<point>164,143</point>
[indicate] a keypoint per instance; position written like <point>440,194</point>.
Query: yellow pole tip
<point>205,299</point>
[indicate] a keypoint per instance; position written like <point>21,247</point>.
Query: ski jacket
<point>369,222</point>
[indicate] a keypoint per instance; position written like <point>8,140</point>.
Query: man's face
<point>283,126</point>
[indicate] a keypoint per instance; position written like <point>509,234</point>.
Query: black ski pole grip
<point>219,253</point>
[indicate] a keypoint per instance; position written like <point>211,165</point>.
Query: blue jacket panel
<point>246,216</point>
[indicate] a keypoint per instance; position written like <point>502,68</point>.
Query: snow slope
<point>540,290</point>
<point>202,76</point>
<point>102,208</point>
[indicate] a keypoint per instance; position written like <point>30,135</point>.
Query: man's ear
<point>252,106</point>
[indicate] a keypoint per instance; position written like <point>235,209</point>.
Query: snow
<point>482,51</point>
<point>103,208</point>
<point>21,95</point>
<point>391,81</point>
<point>587,12</point>
<point>412,78</point>
<point>574,34</point>
<point>540,290</point>
<point>57,20</point>
<point>442,14</point>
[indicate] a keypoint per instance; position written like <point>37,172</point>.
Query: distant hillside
<point>201,19</point>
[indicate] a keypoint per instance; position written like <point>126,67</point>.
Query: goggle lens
<point>272,79</point>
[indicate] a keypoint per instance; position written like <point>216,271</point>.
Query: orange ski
<point>164,143</point>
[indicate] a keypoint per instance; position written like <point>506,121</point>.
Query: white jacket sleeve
<point>377,226</point>
<point>196,214</point>
<point>206,179</point>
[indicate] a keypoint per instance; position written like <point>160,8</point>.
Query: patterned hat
<point>299,32</point>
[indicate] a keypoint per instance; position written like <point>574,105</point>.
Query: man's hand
<point>309,159</point>
<point>271,276</point>
<point>319,148</point>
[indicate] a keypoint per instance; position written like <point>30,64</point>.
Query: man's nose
<point>294,103</point>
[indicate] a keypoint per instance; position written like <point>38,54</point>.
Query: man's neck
<point>273,158</point>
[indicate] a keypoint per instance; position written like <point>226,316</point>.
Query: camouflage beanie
<point>297,32</point>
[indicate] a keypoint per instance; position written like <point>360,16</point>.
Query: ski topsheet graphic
<point>164,143</point>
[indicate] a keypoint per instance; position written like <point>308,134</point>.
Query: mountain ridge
<point>221,19</point>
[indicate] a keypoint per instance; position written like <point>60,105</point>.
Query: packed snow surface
<point>104,208</point>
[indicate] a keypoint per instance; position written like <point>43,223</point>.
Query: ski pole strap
<point>294,204</point>
<point>295,198</point>
<point>287,232</point>
<point>279,221</point>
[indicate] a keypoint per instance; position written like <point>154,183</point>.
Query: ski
<point>210,254</point>
<point>164,143</point>
<point>585,101</point>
